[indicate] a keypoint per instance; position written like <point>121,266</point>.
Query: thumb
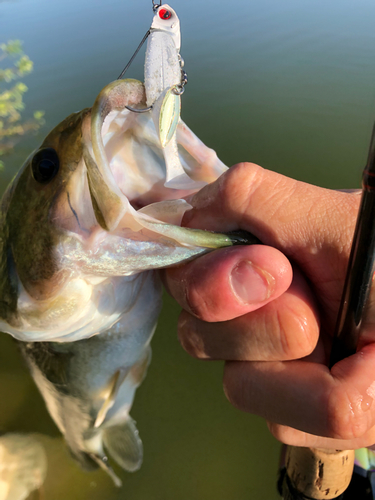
<point>307,223</point>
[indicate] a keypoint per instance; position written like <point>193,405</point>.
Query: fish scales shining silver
<point>83,226</point>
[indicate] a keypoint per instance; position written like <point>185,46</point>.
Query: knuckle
<point>345,417</point>
<point>239,183</point>
<point>298,336</point>
<point>244,170</point>
<point>235,385</point>
<point>200,304</point>
<point>189,338</point>
<point>294,334</point>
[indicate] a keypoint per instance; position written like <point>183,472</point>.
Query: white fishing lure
<point>163,83</point>
<point>162,63</point>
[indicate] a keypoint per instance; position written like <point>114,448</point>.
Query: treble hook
<point>155,6</point>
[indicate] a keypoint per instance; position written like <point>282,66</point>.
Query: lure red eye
<point>165,14</point>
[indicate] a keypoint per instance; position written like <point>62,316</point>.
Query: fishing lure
<point>165,82</point>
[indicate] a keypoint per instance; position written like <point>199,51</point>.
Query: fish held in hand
<point>83,227</point>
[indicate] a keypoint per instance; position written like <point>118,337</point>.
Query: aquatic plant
<point>16,66</point>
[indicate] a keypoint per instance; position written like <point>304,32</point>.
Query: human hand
<point>270,311</point>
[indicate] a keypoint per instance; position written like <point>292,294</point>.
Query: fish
<point>85,225</point>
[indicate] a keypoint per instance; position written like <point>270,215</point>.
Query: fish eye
<point>45,165</point>
<point>165,14</point>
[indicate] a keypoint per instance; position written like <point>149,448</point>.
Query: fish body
<point>72,246</point>
<point>85,224</point>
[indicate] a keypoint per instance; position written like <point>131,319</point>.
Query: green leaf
<point>12,126</point>
<point>39,115</point>
<point>12,47</point>
<point>20,87</point>
<point>24,65</point>
<point>7,74</point>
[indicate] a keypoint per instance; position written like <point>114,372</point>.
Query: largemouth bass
<point>85,224</point>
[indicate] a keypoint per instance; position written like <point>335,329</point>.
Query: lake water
<point>289,85</point>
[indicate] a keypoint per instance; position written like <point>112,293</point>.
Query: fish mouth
<point>126,164</point>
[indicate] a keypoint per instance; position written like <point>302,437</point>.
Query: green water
<point>289,85</point>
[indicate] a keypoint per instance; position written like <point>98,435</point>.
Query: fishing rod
<point>315,473</point>
<point>360,268</point>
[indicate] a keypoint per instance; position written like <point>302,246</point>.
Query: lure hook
<point>142,110</point>
<point>176,89</point>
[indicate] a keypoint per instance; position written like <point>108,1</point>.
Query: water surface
<point>289,85</point>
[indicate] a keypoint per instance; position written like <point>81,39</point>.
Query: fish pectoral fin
<point>113,388</point>
<point>124,445</point>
